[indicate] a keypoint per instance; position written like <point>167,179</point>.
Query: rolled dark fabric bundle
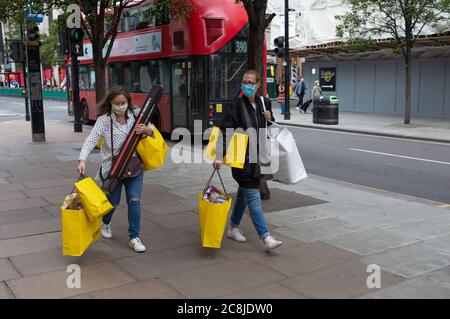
<point>130,144</point>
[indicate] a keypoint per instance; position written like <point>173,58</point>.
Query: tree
<point>258,22</point>
<point>50,53</point>
<point>403,21</point>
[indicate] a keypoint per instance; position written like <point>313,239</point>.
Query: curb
<point>407,137</point>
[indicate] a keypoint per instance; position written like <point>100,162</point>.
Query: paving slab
<point>30,244</point>
<point>435,285</point>
<point>63,182</point>
<point>150,289</point>
<point>302,259</point>
<point>53,285</point>
<point>11,187</point>
<point>5,293</point>
<point>168,262</point>
<point>176,220</point>
<point>11,195</point>
<point>8,205</point>
<point>221,279</point>
<point>371,241</point>
<point>165,208</point>
<point>47,191</point>
<point>7,270</point>
<point>266,291</point>
<point>410,261</point>
<point>28,228</point>
<point>375,219</point>
<point>424,229</point>
<point>346,280</point>
<point>317,230</point>
<point>293,216</point>
<point>22,215</point>
<point>52,259</point>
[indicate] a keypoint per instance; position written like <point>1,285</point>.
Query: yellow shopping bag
<point>153,151</point>
<point>78,232</point>
<point>236,150</point>
<point>92,198</point>
<point>213,217</point>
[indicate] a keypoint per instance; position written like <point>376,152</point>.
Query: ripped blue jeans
<point>133,189</point>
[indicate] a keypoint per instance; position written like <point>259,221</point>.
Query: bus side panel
<point>89,96</point>
<point>163,107</point>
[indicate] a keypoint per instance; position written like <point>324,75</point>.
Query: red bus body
<point>199,62</point>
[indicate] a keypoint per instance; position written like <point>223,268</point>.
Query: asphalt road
<point>12,108</point>
<point>420,169</point>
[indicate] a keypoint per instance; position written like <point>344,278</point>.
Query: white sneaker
<point>106,231</point>
<point>271,243</point>
<point>137,245</point>
<point>236,234</point>
<point>297,108</point>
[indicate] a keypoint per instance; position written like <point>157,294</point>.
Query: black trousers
<point>300,100</point>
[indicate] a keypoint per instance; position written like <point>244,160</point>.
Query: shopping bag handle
<point>209,181</point>
<point>82,176</point>
<point>273,123</point>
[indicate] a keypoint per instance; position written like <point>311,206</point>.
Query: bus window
<point>86,77</point>
<point>226,74</point>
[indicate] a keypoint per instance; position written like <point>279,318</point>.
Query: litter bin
<point>326,110</point>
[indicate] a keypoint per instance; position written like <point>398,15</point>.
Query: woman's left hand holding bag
<point>143,129</point>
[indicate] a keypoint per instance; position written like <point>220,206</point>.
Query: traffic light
<point>63,33</point>
<point>279,47</point>
<point>76,41</point>
<point>17,51</point>
<point>33,34</point>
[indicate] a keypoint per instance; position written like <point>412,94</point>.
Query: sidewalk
<point>331,232</point>
<point>427,129</point>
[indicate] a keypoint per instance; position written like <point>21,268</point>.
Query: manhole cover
<point>282,200</point>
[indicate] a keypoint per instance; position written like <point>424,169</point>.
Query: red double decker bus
<point>199,62</point>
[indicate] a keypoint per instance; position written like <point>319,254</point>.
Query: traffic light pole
<point>287,72</point>
<point>77,125</point>
<point>25,82</point>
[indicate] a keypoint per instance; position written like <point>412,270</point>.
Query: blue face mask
<point>249,90</point>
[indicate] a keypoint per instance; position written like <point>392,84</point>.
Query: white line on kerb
<point>401,156</point>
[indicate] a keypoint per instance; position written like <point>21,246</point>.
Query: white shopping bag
<point>286,165</point>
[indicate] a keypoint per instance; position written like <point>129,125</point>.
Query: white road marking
<point>409,139</point>
<point>8,113</point>
<point>400,156</point>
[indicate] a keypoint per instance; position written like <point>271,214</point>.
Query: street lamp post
<point>287,64</point>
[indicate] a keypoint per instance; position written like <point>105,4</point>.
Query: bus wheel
<point>85,113</point>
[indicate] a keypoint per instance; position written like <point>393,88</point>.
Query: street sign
<point>328,79</point>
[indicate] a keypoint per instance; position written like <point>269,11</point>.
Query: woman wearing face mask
<point>115,112</point>
<point>247,111</point>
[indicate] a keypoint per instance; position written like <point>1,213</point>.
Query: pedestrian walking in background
<point>316,92</point>
<point>300,92</point>
<point>281,97</point>
<point>115,121</point>
<point>247,111</point>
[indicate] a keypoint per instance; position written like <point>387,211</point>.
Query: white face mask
<point>119,109</point>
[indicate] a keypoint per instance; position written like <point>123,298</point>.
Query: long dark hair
<point>104,107</point>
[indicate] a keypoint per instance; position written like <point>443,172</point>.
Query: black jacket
<point>234,118</point>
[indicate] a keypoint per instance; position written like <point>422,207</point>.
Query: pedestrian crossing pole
<point>34,80</point>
